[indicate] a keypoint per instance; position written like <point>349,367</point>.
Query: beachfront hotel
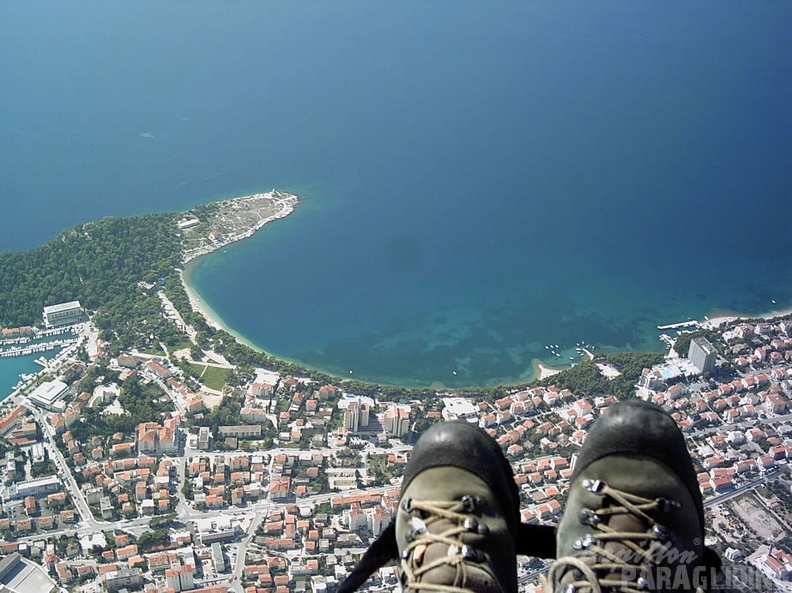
<point>63,314</point>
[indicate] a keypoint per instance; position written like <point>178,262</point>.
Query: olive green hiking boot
<point>452,535</point>
<point>458,513</point>
<point>634,519</point>
<point>457,527</point>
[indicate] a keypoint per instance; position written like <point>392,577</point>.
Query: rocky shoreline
<point>234,220</point>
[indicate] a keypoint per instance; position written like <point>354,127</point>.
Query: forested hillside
<point>99,263</point>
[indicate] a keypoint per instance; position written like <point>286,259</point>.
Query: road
<point>742,489</point>
<point>743,425</point>
<point>239,564</point>
<point>73,488</point>
<point>258,511</point>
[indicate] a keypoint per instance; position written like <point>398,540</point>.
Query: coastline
<point>240,218</point>
<point>719,317</point>
<point>241,228</point>
<point>543,371</point>
<point>245,215</point>
<point>198,306</point>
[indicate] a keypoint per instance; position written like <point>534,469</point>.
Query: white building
<point>186,223</point>
<point>356,416</point>
<point>47,395</point>
<point>217,558</point>
<point>702,354</point>
<point>204,438</point>
<point>122,578</point>
<point>357,409</point>
<point>397,420</point>
<point>36,488</point>
<point>63,314</point>
<point>458,408</point>
<point>243,431</point>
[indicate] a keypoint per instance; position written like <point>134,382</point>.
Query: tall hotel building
<point>702,354</point>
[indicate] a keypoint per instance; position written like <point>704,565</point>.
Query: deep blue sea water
<point>482,180</point>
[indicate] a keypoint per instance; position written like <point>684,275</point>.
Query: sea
<point>484,186</point>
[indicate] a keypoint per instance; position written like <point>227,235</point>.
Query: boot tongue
<point>452,569</point>
<point>625,523</point>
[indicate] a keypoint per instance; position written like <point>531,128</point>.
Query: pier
<point>691,323</point>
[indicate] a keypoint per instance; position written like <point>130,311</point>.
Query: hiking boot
<point>457,527</point>
<point>634,519</point>
<point>457,514</point>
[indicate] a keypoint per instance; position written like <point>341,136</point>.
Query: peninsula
<point>211,227</point>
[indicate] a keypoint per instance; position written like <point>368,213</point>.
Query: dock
<point>691,323</point>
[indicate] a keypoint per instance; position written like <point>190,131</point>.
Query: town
<point>127,473</point>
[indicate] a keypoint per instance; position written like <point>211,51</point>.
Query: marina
<point>37,341</point>
<point>35,348</point>
<point>27,356</point>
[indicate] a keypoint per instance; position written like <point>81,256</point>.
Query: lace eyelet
<point>661,532</point>
<point>469,503</point>
<point>595,486</point>
<point>471,553</point>
<point>589,517</point>
<point>583,543</point>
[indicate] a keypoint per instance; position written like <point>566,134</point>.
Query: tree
<point>151,539</point>
<point>682,343</point>
<point>187,489</point>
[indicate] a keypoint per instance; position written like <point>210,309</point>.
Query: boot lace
<point>440,522</point>
<point>626,569</point>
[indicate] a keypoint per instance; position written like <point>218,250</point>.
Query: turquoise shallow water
<point>12,367</point>
<point>481,183</point>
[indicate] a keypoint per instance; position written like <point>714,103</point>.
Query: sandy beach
<point>198,305</point>
<point>209,314</point>
<point>545,371</point>
<point>235,220</point>
<point>720,318</point>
